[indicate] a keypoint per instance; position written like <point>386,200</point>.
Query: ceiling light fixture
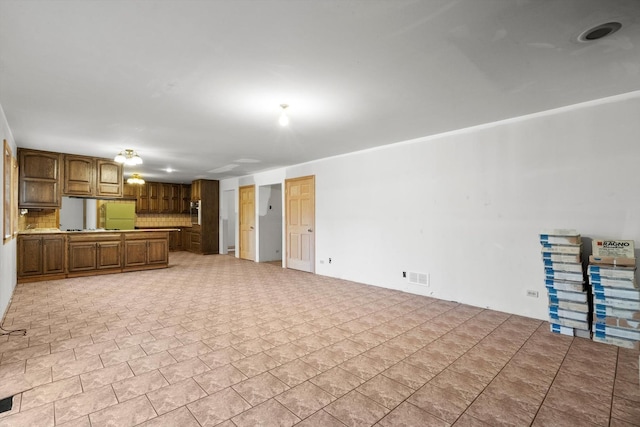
<point>284,119</point>
<point>599,31</point>
<point>128,157</point>
<point>135,179</point>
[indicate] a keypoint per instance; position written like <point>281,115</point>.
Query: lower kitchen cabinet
<point>44,256</point>
<point>41,256</point>
<point>146,250</point>
<point>92,252</point>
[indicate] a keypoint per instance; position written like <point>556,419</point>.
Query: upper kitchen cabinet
<point>39,183</point>
<point>196,190</point>
<point>79,176</point>
<point>91,177</point>
<point>109,179</point>
<point>130,191</point>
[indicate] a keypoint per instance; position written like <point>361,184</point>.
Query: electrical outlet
<point>404,274</point>
<point>532,294</point>
<point>329,260</point>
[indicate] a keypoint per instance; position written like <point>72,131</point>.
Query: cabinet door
<point>195,190</point>
<point>52,254</point>
<point>185,195</point>
<point>135,253</point>
<point>82,256</point>
<point>165,198</point>
<point>109,255</point>
<point>79,176</point>
<point>176,201</point>
<point>130,191</point>
<point>186,239</point>
<point>154,197</point>
<point>142,202</point>
<point>29,256</point>
<point>39,179</point>
<point>109,178</point>
<point>158,251</point>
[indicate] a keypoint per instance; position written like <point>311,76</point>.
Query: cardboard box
<point>570,323</point>
<point>614,261</point>
<point>628,294</point>
<point>582,307</point>
<point>559,329</point>
<point>567,296</point>
<point>560,240</point>
<point>564,285</point>
<point>617,322</point>
<point>620,342</point>
<point>612,272</point>
<point>624,304</point>
<point>561,257</point>
<point>568,314</point>
<point>550,273</point>
<point>560,232</point>
<point>616,332</point>
<point>606,311</point>
<point>562,249</point>
<point>597,280</point>
<point>572,267</point>
<point>613,248</point>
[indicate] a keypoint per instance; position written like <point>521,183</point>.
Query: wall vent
<point>421,279</point>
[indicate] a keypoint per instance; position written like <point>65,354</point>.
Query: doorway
<point>300,223</point>
<point>270,223</point>
<point>228,222</point>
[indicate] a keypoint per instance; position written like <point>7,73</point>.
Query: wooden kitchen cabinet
<point>153,190</point>
<point>204,236</point>
<point>109,178</point>
<point>196,190</point>
<point>146,250</point>
<point>41,256</point>
<point>39,179</point>
<point>169,198</point>
<point>130,191</point>
<point>94,252</point>
<point>175,240</point>
<point>148,200</point>
<point>185,196</point>
<point>92,177</point>
<point>79,176</point>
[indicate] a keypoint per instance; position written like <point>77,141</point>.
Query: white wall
<point>466,207</point>
<point>8,249</point>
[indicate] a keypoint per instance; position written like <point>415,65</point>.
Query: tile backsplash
<point>46,218</point>
<point>163,220</point>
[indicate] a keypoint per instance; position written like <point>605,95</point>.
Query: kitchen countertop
<point>101,230</point>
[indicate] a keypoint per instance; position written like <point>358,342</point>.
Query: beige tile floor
<point>214,340</point>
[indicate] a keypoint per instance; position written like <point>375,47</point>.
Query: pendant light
<point>284,119</point>
<point>135,179</point>
<point>128,157</point>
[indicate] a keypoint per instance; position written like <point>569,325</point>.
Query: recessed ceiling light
<point>599,31</point>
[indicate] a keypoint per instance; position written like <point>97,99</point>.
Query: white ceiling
<point>196,85</point>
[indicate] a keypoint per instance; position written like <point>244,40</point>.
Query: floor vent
<point>421,279</point>
<point>6,404</point>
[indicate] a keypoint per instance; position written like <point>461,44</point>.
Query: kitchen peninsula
<point>47,254</point>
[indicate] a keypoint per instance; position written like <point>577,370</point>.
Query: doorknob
<point>309,230</point>
<point>252,227</point>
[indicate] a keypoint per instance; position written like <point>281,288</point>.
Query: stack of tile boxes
<point>564,278</point>
<point>616,297</point>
